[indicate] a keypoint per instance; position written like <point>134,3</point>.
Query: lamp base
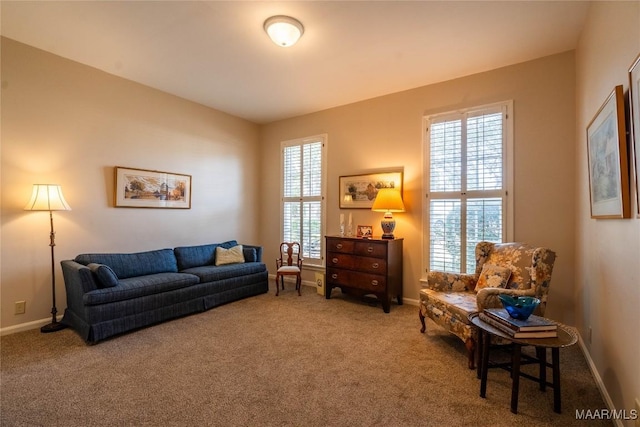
<point>52,327</point>
<point>388,225</point>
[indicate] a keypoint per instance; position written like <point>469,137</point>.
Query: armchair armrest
<point>488,297</point>
<point>454,282</point>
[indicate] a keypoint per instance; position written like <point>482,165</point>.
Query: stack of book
<point>533,327</point>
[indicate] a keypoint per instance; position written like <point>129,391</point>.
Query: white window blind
<point>467,185</point>
<point>303,195</point>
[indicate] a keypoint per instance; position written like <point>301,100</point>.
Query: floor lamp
<point>48,197</point>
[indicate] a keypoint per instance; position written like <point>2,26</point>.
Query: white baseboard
<point>599,383</point>
<point>36,324</point>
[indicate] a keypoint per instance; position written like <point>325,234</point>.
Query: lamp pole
<point>54,325</point>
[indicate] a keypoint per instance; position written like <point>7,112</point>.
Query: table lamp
<point>388,200</point>
<point>48,197</point>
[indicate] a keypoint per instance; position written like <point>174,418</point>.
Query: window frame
<point>323,138</point>
<point>507,192</point>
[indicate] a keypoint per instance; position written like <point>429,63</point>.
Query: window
<point>303,195</point>
<point>468,184</point>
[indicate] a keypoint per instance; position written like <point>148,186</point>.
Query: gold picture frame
<point>607,159</point>
<point>143,188</point>
<point>634,113</point>
<point>359,191</point>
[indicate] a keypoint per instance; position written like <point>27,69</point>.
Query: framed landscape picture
<point>359,191</point>
<point>142,188</point>
<point>607,159</point>
<point>634,102</point>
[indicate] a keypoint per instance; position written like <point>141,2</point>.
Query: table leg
<point>515,376</point>
<point>479,353</point>
<point>555,362</point>
<point>484,361</point>
<point>541,354</point>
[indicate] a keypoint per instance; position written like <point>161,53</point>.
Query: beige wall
<point>386,132</point>
<point>607,280</point>
<point>69,124</point>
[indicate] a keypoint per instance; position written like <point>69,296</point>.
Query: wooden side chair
<point>289,264</point>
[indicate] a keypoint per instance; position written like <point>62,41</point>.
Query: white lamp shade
<point>47,197</point>
<point>283,30</point>
<point>388,200</point>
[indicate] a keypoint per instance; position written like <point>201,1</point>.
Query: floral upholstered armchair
<point>515,269</point>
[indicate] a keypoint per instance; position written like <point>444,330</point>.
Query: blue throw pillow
<point>106,276</point>
<point>250,254</point>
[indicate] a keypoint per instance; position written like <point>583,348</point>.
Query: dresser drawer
<point>340,245</point>
<point>360,263</point>
<point>352,279</point>
<point>370,265</point>
<point>373,249</point>
<point>336,259</point>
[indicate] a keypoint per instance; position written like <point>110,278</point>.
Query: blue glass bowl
<point>519,307</point>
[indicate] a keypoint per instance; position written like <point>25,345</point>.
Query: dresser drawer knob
<point>374,282</point>
<point>334,276</point>
<point>339,246</point>
<point>370,249</point>
<point>334,260</point>
<point>375,265</point>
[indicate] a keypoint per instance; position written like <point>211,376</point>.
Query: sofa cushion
<point>493,276</point>
<point>135,287</point>
<point>232,255</point>
<point>211,273</point>
<point>135,264</point>
<point>195,256</point>
<point>105,275</point>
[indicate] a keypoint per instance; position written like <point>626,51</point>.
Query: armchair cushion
<point>493,276</point>
<point>459,304</point>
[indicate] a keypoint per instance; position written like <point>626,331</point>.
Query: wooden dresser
<point>365,266</point>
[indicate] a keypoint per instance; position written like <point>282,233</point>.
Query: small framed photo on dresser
<point>364,231</point>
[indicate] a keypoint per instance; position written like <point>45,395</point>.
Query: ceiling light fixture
<point>283,30</point>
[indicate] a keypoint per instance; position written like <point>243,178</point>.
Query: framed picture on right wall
<point>634,102</point>
<point>608,160</point>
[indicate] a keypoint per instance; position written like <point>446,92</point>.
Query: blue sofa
<point>112,293</point>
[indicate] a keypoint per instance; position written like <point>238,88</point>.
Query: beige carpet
<point>274,361</point>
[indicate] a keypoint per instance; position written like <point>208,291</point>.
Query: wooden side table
<point>566,337</point>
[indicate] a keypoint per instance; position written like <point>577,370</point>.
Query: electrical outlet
<point>21,307</point>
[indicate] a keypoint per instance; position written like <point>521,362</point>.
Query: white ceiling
<point>216,53</point>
